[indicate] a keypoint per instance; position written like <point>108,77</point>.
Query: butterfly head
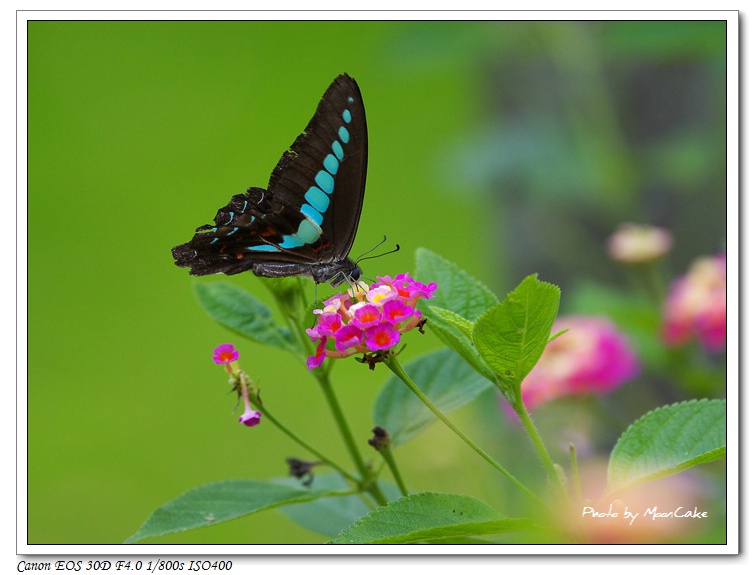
<point>347,271</point>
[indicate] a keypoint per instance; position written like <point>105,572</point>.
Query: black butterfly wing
<point>306,221</point>
<point>336,133</point>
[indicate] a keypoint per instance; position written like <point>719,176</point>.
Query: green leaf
<point>218,502</point>
<point>444,377</point>
<point>459,300</point>
<point>463,325</point>
<point>511,336</point>
<point>668,440</point>
<point>331,515</point>
<point>457,290</point>
<point>428,517</point>
<point>240,312</point>
<point>456,332</point>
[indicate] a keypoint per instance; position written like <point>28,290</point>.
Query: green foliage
<point>331,515</point>
<point>511,336</point>
<point>444,377</point>
<point>668,440</point>
<point>429,517</point>
<point>236,309</point>
<point>489,341</point>
<point>122,166</point>
<point>218,502</point>
<point>502,341</point>
<point>457,290</point>
<point>456,332</point>
<point>459,300</point>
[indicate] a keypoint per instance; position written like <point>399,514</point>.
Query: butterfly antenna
<point>380,243</point>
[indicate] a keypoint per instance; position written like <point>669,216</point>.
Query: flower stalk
<point>397,369</point>
<point>381,441</point>
<point>368,480</point>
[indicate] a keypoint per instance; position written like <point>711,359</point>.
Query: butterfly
<point>305,222</point>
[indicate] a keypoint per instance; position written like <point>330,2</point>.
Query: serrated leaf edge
<point>665,472</point>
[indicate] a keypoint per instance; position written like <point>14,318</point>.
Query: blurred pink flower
<point>696,305</point>
<point>592,357</point>
<point>663,511</point>
<point>636,244</point>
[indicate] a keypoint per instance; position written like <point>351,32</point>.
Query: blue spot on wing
<point>291,242</point>
<point>325,181</point>
<point>318,199</point>
<point>263,248</point>
<point>308,232</point>
<point>312,213</point>
<point>337,149</point>
<point>331,164</point>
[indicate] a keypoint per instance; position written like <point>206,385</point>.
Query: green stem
<point>396,368</point>
<point>575,473</point>
<point>387,454</point>
<point>537,442</point>
<point>649,279</point>
<point>286,431</point>
<point>367,477</point>
<point>367,482</point>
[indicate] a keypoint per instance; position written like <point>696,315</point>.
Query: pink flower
<point>634,243</point>
<point>696,305</point>
<point>592,357</point>
<point>332,304</point>
<point>367,320</point>
<point>328,324</point>
<point>250,417</point>
<point>348,336</point>
<point>225,353</point>
<point>408,289</point>
<point>381,336</point>
<point>381,293</point>
<point>397,311</point>
<point>365,315</point>
<point>316,360</point>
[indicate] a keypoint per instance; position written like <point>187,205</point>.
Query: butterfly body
<point>305,222</point>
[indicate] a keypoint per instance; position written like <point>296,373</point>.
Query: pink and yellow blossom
<point>696,305</point>
<point>369,319</point>
<point>637,244</point>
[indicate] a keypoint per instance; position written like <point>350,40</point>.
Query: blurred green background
<point>509,147</point>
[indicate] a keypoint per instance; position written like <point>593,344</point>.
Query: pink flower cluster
<point>368,318</point>
<point>696,305</point>
<point>592,357</point>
